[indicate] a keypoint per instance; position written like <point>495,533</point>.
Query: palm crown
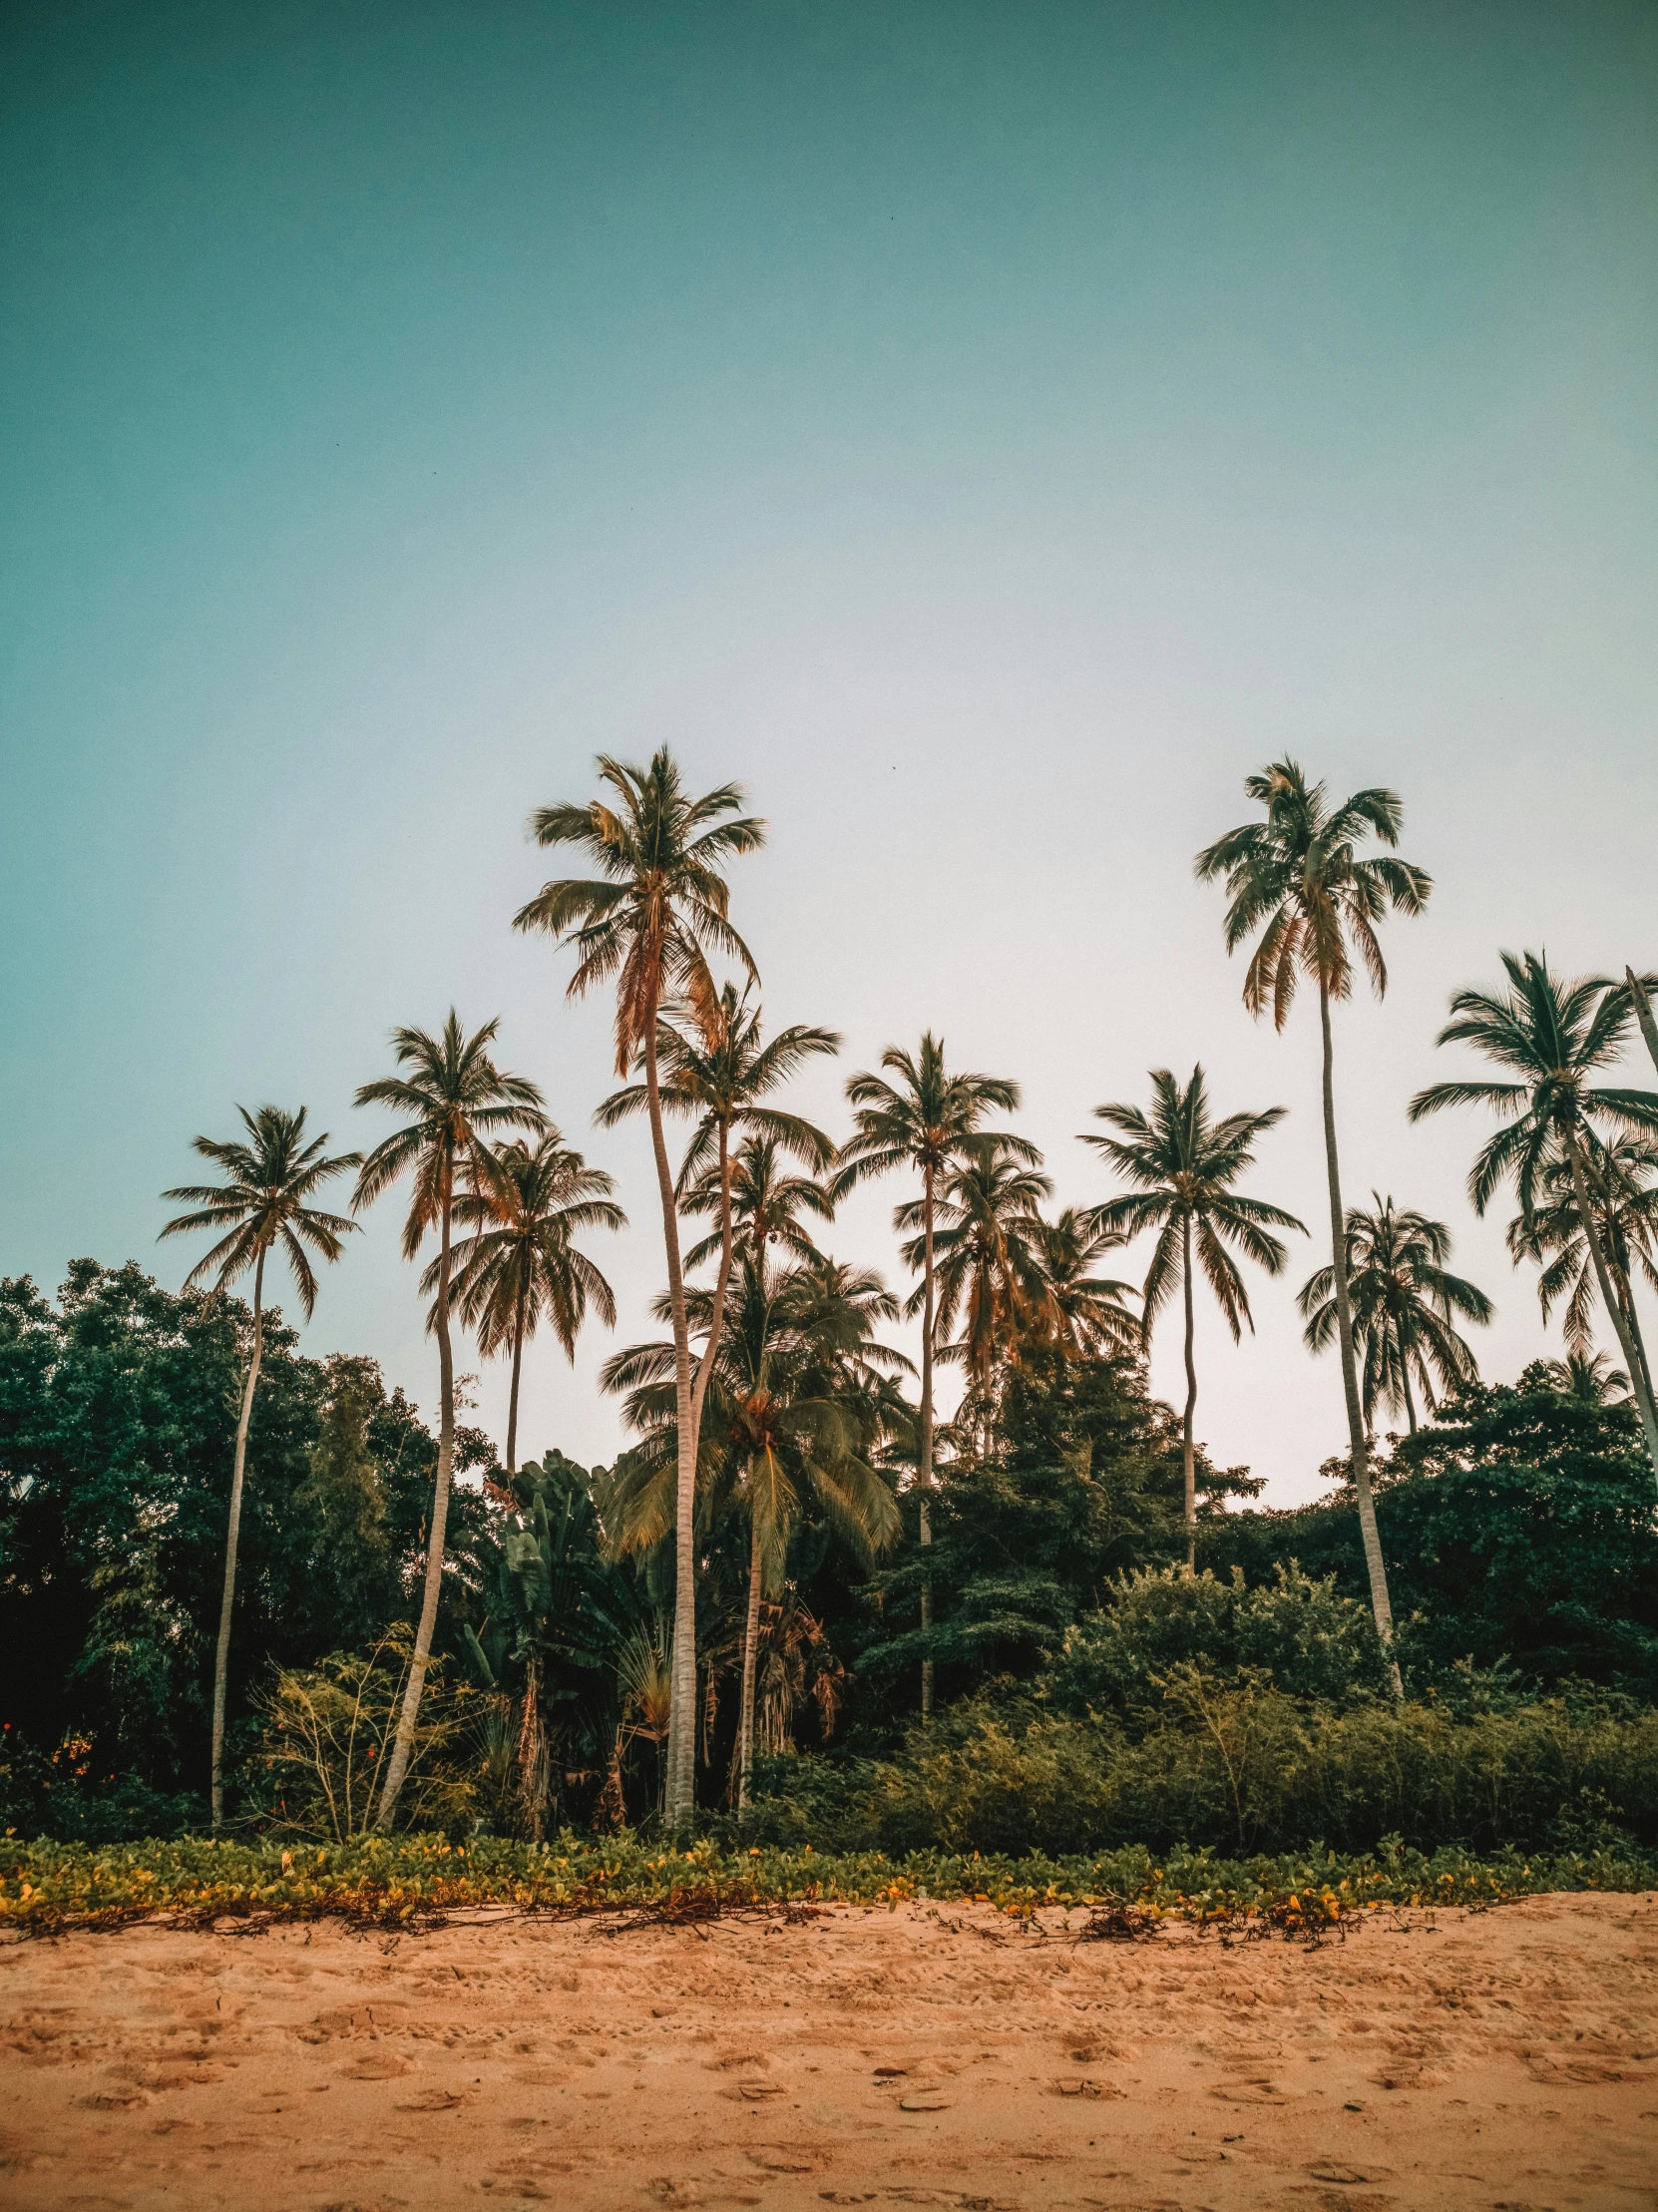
<point>766,1202</point>
<point>923,1120</point>
<point>1403,1300</point>
<point>1623,1201</point>
<point>1084,1313</point>
<point>1185,1166</point>
<point>988,1249</point>
<point>262,1205</point>
<point>455,1098</point>
<point>1299,879</point>
<point>659,901</point>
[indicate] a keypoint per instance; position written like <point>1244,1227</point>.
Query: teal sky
<point>986,431</point>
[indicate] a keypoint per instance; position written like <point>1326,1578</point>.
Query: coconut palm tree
<point>1553,1036</point>
<point>1185,1166</point>
<point>1299,879</point>
<point>987,1249</point>
<point>789,1420</point>
<point>520,1266</point>
<point>761,1203</point>
<point>1590,1376</point>
<point>648,921</point>
<point>1083,1315</point>
<point>260,1207</point>
<point>920,1121</point>
<point>1402,1301</point>
<point>722,1080</point>
<point>1623,1194</point>
<point>454,1099</point>
<point>1641,988</point>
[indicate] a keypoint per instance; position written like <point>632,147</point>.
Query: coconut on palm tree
<point>1185,1167</point>
<point>1403,1302</point>
<point>521,1267</point>
<point>1299,880</point>
<point>1552,1037</point>
<point>259,1209</point>
<point>721,1078</point>
<point>919,1121</point>
<point>1623,1199</point>
<point>647,923</point>
<point>454,1099</point>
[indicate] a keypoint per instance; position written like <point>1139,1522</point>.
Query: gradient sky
<point>987,431</point>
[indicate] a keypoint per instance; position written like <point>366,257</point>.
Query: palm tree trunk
<point>221,1657</point>
<point>925,1484</point>
<point>1643,1011</point>
<point>723,1283</point>
<point>402,1749</point>
<point>1404,1385</point>
<point>517,1364</point>
<point>681,1793</point>
<point>1374,1563</point>
<point>750,1655</point>
<point>1188,1454</point>
<point>1610,1300</point>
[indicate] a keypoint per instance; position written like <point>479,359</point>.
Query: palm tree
<point>647,921</point>
<point>1641,988</point>
<point>921,1121</point>
<point>1590,1376</point>
<point>722,1080</point>
<point>761,1203</point>
<point>1402,1301</point>
<point>1623,1196</point>
<point>520,1266</point>
<point>1553,1036</point>
<point>1084,1314</point>
<point>260,1207</point>
<point>454,1099</point>
<point>987,1249</point>
<point>790,1417</point>
<point>1298,878</point>
<point>1185,1166</point>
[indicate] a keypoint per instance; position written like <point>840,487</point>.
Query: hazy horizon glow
<point>986,433</point>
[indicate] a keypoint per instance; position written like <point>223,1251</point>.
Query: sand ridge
<point>1505,2061</point>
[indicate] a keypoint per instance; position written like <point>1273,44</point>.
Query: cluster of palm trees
<point>772,1389</point>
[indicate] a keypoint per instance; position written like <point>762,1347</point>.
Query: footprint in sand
<point>377,2066</point>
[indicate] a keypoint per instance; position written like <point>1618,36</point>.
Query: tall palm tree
<point>648,921</point>
<point>987,1249</point>
<point>1403,1302</point>
<point>720,1080</point>
<point>454,1099</point>
<point>1553,1036</point>
<point>761,1203</point>
<point>921,1121</point>
<point>1299,878</point>
<point>263,1206</point>
<point>1623,1196</point>
<point>1084,1314</point>
<point>790,1420</point>
<point>1185,1166</point>
<point>520,1266</point>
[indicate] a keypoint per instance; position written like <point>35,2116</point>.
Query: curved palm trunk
<point>750,1655</point>
<point>1188,1450</point>
<point>402,1749</point>
<point>518,1366</point>
<point>1374,1563</point>
<point>1614,1304</point>
<point>681,1791</point>
<point>221,1656</point>
<point>925,1471</point>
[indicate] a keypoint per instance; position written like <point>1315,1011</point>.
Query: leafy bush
<point>1298,1632</point>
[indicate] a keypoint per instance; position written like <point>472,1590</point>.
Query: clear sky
<point>987,431</point>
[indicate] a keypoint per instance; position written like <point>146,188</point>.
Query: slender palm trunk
<point>518,1366</point>
<point>1188,1450</point>
<point>1643,1011</point>
<point>925,1484</point>
<point>710,1349</point>
<point>221,1657</point>
<point>1614,1304</point>
<point>402,1749</point>
<point>1404,1385</point>
<point>680,1794</point>
<point>1374,1563</point>
<point>750,1655</point>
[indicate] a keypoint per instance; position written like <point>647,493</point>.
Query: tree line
<point>772,1405</point>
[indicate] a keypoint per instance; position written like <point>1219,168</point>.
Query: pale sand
<point>1507,2060</point>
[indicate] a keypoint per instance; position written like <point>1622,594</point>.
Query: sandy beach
<point>931,2055</point>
